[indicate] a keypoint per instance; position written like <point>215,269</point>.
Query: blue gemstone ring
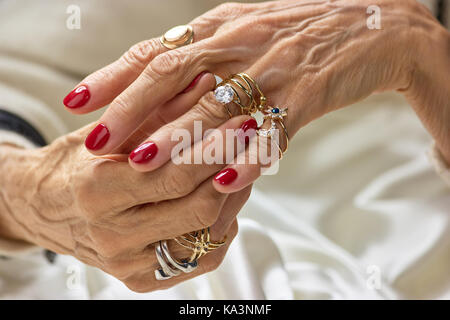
<point>276,116</point>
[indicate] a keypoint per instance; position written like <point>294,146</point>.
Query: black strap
<point>441,8</point>
<point>11,122</point>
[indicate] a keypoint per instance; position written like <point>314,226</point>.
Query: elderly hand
<point>310,56</point>
<point>108,215</point>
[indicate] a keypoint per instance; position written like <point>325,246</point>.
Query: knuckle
<point>204,219</point>
<point>179,183</point>
<point>120,107</point>
<point>140,54</point>
<point>208,108</point>
<point>166,64</point>
<point>224,12</point>
<point>104,245</point>
<point>86,196</point>
<point>89,189</point>
<point>106,249</point>
<point>228,9</point>
<point>260,27</point>
<point>91,216</point>
<point>207,213</point>
<point>105,74</point>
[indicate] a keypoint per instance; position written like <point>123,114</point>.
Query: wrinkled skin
<point>311,56</point>
<point>108,215</point>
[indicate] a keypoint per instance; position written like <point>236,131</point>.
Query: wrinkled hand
<point>310,56</point>
<point>108,215</point>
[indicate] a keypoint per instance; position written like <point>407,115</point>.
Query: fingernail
<point>244,135</point>
<point>226,176</point>
<point>194,82</point>
<point>77,98</point>
<point>97,138</point>
<point>144,153</point>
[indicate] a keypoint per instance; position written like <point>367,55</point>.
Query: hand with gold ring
<point>312,57</point>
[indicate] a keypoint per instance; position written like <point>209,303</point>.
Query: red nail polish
<point>144,153</point>
<point>244,135</point>
<point>226,176</point>
<point>97,138</point>
<point>194,82</point>
<point>77,98</point>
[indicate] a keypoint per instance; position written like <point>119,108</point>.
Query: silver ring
<point>166,271</point>
<point>185,267</point>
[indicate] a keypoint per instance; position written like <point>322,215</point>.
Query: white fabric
<point>356,210</point>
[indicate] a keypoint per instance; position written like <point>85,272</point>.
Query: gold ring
<point>276,116</point>
<point>178,36</point>
<point>199,242</point>
<point>227,91</point>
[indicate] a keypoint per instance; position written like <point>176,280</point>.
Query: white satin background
<point>356,210</point>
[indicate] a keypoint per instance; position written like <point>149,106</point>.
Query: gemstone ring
<point>199,242</point>
<point>228,91</point>
<point>276,116</point>
<point>178,36</point>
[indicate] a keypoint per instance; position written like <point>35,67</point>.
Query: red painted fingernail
<point>144,153</point>
<point>77,98</point>
<point>194,82</point>
<point>248,130</point>
<point>226,176</point>
<point>97,138</point>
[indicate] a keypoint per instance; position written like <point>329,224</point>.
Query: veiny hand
<point>108,215</point>
<point>310,56</point>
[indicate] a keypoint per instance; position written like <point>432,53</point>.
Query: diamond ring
<point>228,90</point>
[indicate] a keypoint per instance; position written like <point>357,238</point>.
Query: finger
<point>145,281</point>
<point>117,186</point>
<point>163,220</point>
<point>164,77</point>
<point>101,87</point>
<point>144,259</point>
<point>160,147</point>
<point>227,216</point>
<point>262,154</point>
<point>179,105</point>
<point>144,224</point>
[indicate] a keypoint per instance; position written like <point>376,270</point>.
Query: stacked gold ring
<point>199,242</point>
<point>227,91</point>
